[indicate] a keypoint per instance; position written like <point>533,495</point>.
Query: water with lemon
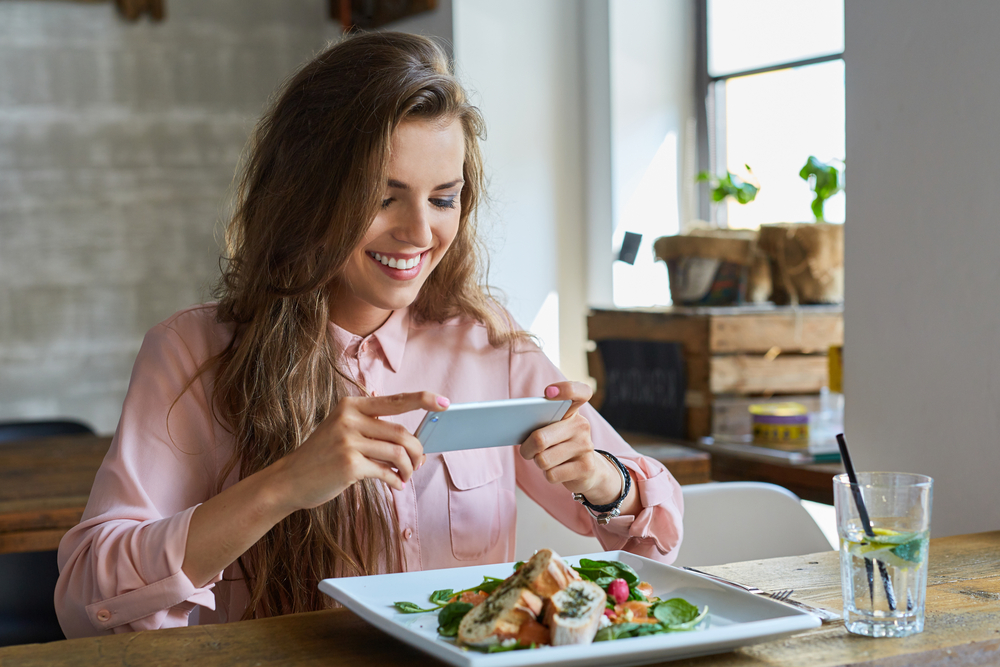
<point>889,577</point>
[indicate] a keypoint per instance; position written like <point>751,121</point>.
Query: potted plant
<point>807,259</point>
<point>714,267</point>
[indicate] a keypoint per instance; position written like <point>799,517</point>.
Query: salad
<point>546,602</point>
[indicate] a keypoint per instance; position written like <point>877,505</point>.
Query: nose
<point>414,228</point>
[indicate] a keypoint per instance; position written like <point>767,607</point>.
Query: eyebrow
<point>393,183</point>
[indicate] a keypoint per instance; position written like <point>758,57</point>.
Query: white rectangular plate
<point>735,617</point>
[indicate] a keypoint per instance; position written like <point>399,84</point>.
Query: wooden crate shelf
<point>746,351</point>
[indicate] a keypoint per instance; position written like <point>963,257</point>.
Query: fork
<point>781,596</point>
<point>825,615</point>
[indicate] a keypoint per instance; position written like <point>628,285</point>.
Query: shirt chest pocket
<point>474,500</point>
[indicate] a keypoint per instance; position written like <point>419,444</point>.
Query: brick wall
<point>118,145</point>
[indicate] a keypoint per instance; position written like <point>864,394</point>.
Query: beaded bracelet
<point>604,513</point>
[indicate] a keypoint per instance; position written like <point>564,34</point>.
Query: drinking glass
<point>883,566</point>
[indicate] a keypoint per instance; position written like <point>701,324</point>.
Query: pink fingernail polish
<point>551,392</point>
<point>443,402</point>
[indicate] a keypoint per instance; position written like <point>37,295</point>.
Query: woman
<point>265,441</point>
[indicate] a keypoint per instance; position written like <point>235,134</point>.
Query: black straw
<point>866,523</point>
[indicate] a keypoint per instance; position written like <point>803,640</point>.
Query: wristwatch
<point>605,513</point>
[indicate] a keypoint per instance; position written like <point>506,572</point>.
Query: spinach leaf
<point>594,570</point>
<point>615,632</point>
<point>516,646</point>
<point>489,585</point>
<point>441,597</point>
<point>678,614</point>
<point>451,616</point>
<point>623,630</point>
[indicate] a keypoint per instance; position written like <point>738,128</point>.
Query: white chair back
<point>728,522</point>
<point>724,522</point>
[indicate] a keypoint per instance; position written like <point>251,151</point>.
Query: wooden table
<point>962,627</point>
<point>44,486</point>
<point>808,481</point>
<point>687,464</point>
<point>45,483</point>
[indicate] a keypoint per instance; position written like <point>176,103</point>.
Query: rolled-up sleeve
<point>656,531</point>
<point>120,568</point>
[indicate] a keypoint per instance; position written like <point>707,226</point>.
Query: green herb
<point>410,608</point>
<point>440,598</point>
<point>730,185</point>
<point>451,616</point>
<point>674,615</point>
<point>623,630</point>
<point>516,646</point>
<point>603,572</point>
<point>488,586</point>
<point>826,181</point>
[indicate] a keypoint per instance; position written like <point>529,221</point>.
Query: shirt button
<point>407,534</point>
<point>104,616</point>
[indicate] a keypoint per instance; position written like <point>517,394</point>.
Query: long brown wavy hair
<point>312,182</point>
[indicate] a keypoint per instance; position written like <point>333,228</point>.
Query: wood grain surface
<point>44,486</point>
<point>962,626</point>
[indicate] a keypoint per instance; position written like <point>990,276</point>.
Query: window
<point>772,76</point>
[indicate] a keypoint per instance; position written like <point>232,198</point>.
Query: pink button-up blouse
<point>121,567</point>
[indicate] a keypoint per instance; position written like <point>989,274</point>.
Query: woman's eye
<point>444,203</point>
<point>386,202</point>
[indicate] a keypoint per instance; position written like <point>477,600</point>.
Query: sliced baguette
<point>547,574</point>
<point>501,616</point>
<point>574,613</point>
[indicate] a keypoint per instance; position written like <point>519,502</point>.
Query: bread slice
<point>547,574</point>
<point>574,613</point>
<point>501,616</point>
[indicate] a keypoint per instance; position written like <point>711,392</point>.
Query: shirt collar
<point>391,337</point>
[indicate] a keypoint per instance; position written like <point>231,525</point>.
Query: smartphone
<point>487,424</point>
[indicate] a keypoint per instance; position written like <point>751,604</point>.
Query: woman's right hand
<point>353,444</point>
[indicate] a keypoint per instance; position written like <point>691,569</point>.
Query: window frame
<point>711,126</point>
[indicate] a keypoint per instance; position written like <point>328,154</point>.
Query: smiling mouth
<point>398,263</point>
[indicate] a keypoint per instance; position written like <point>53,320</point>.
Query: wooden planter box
<point>758,351</point>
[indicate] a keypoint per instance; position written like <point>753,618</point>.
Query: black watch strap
<point>604,513</point>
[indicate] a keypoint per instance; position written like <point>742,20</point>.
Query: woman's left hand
<point>565,452</point>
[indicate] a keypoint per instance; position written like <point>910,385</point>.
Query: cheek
<point>447,233</point>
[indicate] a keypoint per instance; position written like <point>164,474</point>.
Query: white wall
<point>588,107</point>
<point>653,138</point>
<point>922,306</point>
<point>521,62</point>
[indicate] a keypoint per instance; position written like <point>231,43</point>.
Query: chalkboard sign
<point>644,384</point>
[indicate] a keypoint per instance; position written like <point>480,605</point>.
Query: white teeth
<point>393,263</point>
